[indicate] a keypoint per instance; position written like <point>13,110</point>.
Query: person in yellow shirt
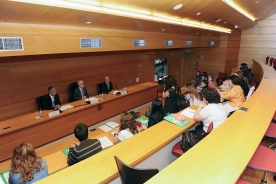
<point>234,94</point>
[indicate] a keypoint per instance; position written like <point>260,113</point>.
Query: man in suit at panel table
<point>80,92</point>
<point>51,100</point>
<point>107,86</point>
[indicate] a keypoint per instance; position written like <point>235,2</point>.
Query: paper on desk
<point>188,113</point>
<point>112,124</point>
<point>105,142</point>
<point>92,100</point>
<point>64,107</point>
<point>4,178</point>
<point>1,181</point>
<point>105,128</point>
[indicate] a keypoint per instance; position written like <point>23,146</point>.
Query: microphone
<point>118,93</point>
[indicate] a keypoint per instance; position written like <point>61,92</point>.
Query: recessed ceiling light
<point>178,6</point>
<point>163,29</point>
<point>218,20</point>
<point>264,12</point>
<point>209,34</point>
<point>224,22</point>
<point>197,33</point>
<point>198,13</point>
<point>88,22</point>
<point>257,1</point>
<point>236,26</point>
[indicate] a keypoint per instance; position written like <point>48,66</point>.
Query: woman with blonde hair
<point>26,167</point>
<point>127,129</point>
<point>192,95</point>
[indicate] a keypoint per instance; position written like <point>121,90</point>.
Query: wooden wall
<point>259,41</point>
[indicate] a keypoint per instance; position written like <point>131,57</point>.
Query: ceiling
<point>211,10</point>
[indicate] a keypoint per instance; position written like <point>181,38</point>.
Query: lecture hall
<point>132,91</point>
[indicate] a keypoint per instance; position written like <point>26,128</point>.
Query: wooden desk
<point>44,130</point>
<point>224,154</point>
<point>101,168</point>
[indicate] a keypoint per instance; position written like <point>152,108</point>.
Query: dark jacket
<point>155,118</point>
<point>77,93</point>
<point>105,89</point>
<point>47,102</point>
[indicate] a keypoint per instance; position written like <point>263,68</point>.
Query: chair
<point>264,159</point>
<point>251,91</point>
<point>130,175</point>
<point>270,61</point>
<point>39,102</point>
<point>71,89</point>
<point>177,151</point>
<point>271,132</point>
<point>220,78</point>
<point>274,117</point>
<point>99,88</point>
<point>266,60</point>
<point>274,64</point>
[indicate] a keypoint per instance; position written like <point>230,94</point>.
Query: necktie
<point>82,94</point>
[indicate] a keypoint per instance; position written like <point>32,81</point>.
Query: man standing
<point>83,149</point>
<point>80,92</point>
<point>51,100</point>
<point>107,86</point>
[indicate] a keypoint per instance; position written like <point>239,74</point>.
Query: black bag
<point>148,112</point>
<point>188,141</point>
<point>182,102</point>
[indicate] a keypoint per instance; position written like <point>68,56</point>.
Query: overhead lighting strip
<point>94,6</point>
<point>239,9</point>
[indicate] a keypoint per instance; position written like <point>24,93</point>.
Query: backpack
<point>188,141</point>
<point>182,102</point>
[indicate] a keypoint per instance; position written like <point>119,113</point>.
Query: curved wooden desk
<point>224,154</point>
<point>44,130</point>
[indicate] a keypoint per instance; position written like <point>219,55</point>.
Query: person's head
<point>204,73</point>
<point>80,84</point>
<point>226,81</point>
<point>81,132</point>
<point>106,79</point>
<point>198,73</point>
<point>210,95</point>
<point>204,83</point>
<point>128,122</point>
<point>52,91</point>
<point>204,77</point>
<point>234,80</point>
<point>25,162</point>
<point>157,106</point>
<point>192,91</point>
<point>239,74</point>
<point>169,82</point>
<point>211,77</point>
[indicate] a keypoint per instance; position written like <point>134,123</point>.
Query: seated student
<point>26,167</point>
<point>212,83</point>
<point>127,128</point>
<point>170,94</point>
<point>51,100</point>
<point>204,84</point>
<point>80,93</point>
<point>209,110</point>
<point>243,84</point>
<point>107,86</point>
<point>246,73</point>
<point>197,79</point>
<point>192,95</point>
<point>157,112</point>
<point>83,149</point>
<point>234,94</point>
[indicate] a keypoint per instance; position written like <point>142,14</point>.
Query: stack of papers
<point>64,107</point>
<point>105,142</point>
<point>178,123</point>
<point>92,100</point>
<point>188,113</point>
<point>143,120</point>
<point>4,177</point>
<point>112,124</point>
<point>105,128</point>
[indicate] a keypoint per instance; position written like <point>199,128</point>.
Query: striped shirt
<point>86,149</point>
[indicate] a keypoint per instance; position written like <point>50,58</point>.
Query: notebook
<point>173,121</point>
<point>143,120</point>
<point>4,177</point>
<point>66,151</point>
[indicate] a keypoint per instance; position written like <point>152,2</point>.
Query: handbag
<point>188,141</point>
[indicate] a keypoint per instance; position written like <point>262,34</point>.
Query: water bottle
<point>125,89</point>
<point>102,96</point>
<point>40,113</point>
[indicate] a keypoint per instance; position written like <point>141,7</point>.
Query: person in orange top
<point>234,94</point>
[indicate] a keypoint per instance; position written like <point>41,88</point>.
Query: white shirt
<point>194,101</point>
<point>53,100</point>
<point>213,113</point>
<point>82,92</point>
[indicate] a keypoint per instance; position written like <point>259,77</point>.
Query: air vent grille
<point>168,42</point>
<point>139,43</point>
<point>91,43</point>
<point>189,42</point>
<point>211,43</point>
<point>11,43</point>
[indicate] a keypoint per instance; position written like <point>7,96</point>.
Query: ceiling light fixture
<point>257,1</point>
<point>224,22</point>
<point>124,11</point>
<point>163,29</point>
<point>197,33</point>
<point>178,6</point>
<point>218,20</point>
<point>239,9</point>
<point>88,22</point>
<point>198,13</point>
<point>236,26</point>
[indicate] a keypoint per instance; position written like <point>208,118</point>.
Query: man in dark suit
<point>107,86</point>
<point>80,92</point>
<point>51,100</point>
